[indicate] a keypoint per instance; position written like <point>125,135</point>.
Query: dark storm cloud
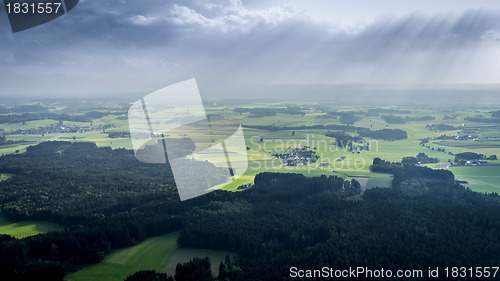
<point>134,45</point>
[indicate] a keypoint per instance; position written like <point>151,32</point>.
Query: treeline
<point>4,140</point>
<point>342,139</point>
<point>25,117</point>
<point>415,177</point>
<point>442,127</point>
<point>383,166</point>
<point>421,158</point>
<point>33,108</point>
<point>482,120</point>
<point>263,112</point>
<point>150,275</point>
<point>408,175</point>
<point>384,134</point>
<point>392,119</point>
<point>197,269</point>
<point>466,156</point>
<point>495,114</point>
<point>348,118</point>
<point>302,127</point>
<point>388,111</point>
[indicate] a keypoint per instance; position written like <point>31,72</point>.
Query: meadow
<point>151,254</point>
<point>5,176</point>
<point>26,228</point>
<point>480,178</point>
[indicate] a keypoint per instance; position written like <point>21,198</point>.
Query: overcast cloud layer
<point>139,46</point>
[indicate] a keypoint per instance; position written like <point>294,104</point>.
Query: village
<point>302,155</point>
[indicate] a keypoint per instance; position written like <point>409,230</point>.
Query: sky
<point>120,46</point>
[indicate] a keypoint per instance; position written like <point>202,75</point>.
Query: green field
<point>480,178</point>
<point>153,253</point>
<point>4,176</point>
<point>26,228</point>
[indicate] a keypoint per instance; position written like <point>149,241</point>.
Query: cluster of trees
<point>482,120</point>
<point>384,134</point>
<point>388,111</point>
<point>25,117</point>
<point>95,114</point>
<point>149,275</point>
<point>441,127</point>
<point>466,156</point>
<point>424,159</point>
<point>421,158</point>
<point>393,119</point>
<point>421,118</point>
<point>342,139</point>
<point>348,118</point>
<point>443,137</point>
<point>302,127</point>
<point>383,166</point>
<point>118,134</point>
<point>263,112</point>
<point>413,177</point>
<point>33,108</point>
<point>197,269</point>
<point>495,114</point>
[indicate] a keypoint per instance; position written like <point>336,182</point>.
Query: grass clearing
<point>480,178</point>
<point>6,176</point>
<point>26,228</point>
<point>151,254</point>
